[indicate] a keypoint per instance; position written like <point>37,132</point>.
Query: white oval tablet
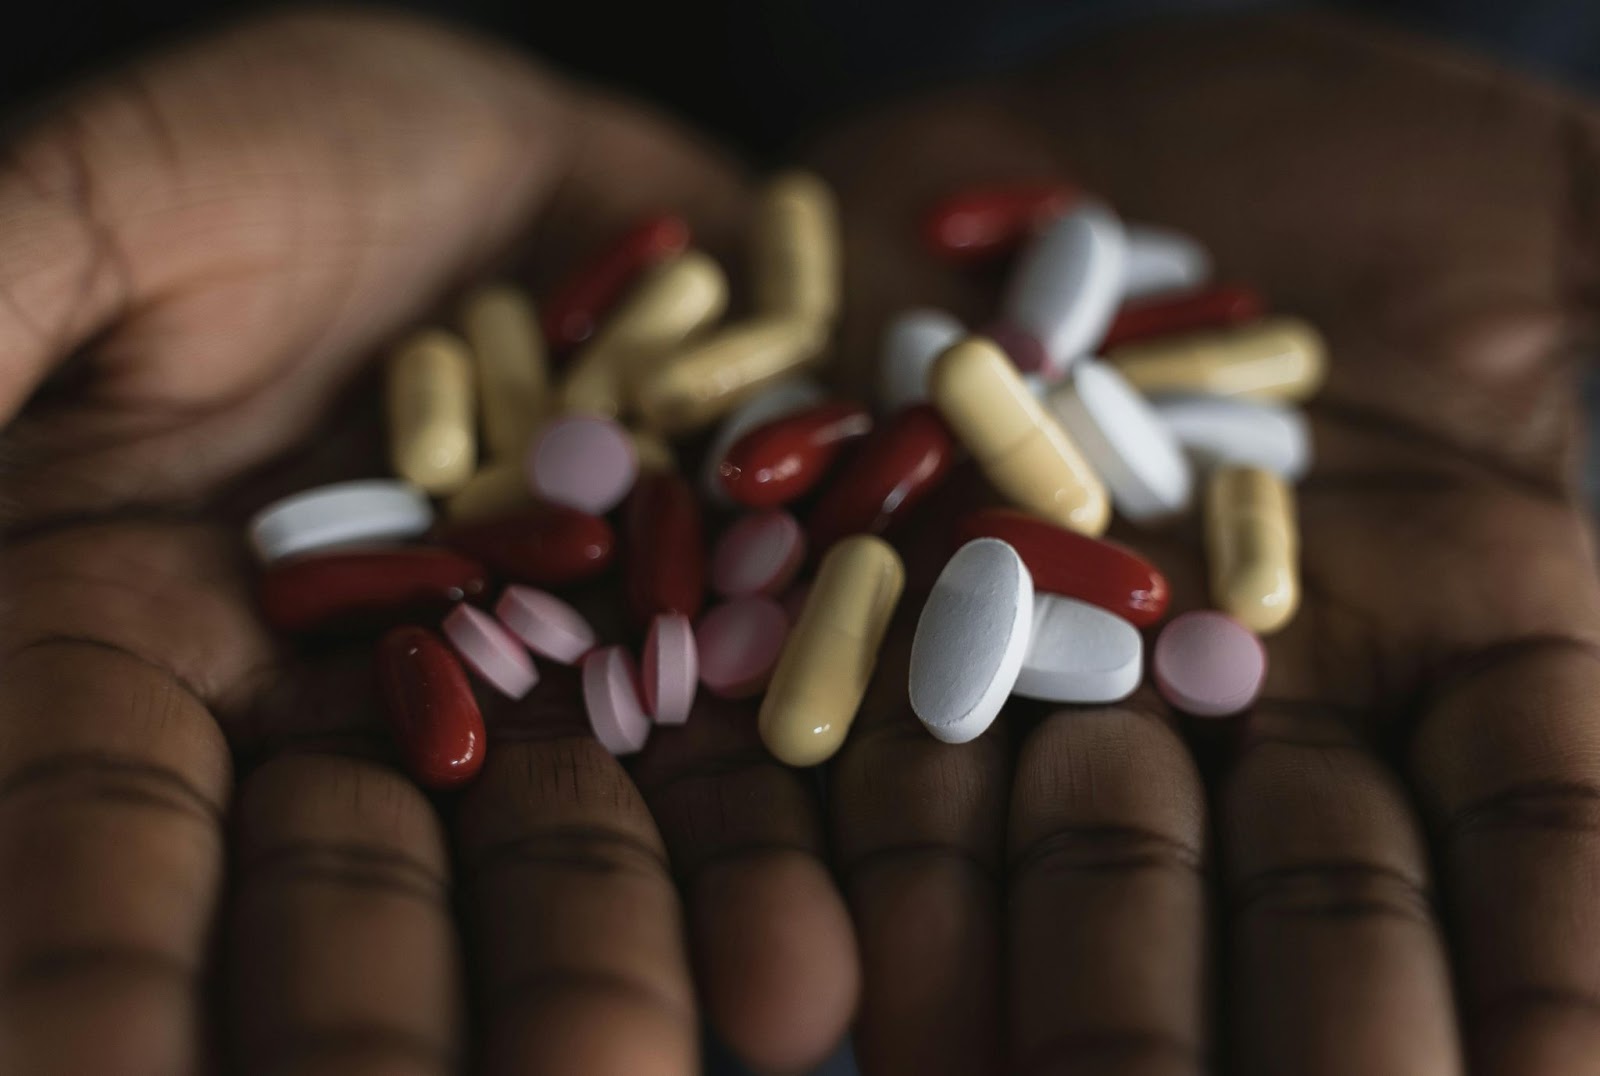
<point>1218,430</point>
<point>1079,653</point>
<point>1068,283</point>
<point>1161,260</point>
<point>1124,440</point>
<point>971,640</point>
<point>910,344</point>
<point>344,513</point>
<point>775,401</point>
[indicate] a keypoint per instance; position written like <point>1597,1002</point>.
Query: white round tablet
<point>773,402</point>
<point>1126,443</point>
<point>971,640</point>
<point>1079,653</point>
<point>344,513</point>
<point>910,344</point>
<point>1161,260</point>
<point>1219,430</point>
<point>1068,283</point>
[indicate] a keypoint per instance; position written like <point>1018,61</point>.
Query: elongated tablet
<point>1079,653</point>
<point>910,344</point>
<point>1161,260</point>
<point>344,513</point>
<point>1217,431</point>
<point>1066,288</point>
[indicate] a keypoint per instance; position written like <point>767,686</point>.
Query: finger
<point>1507,760</point>
<point>343,953</point>
<point>113,779</point>
<point>773,944</point>
<point>1336,959</point>
<point>578,931</point>
<point>918,828</point>
<point>1107,904</point>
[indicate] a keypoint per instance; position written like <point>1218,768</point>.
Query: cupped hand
<point>1391,865</point>
<point>199,254</point>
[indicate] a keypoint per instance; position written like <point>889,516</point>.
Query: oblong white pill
<point>1079,653</point>
<point>1068,283</point>
<point>1125,441</point>
<point>344,513</point>
<point>1222,430</point>
<point>910,344</point>
<point>971,640</point>
<point>783,398</point>
<point>1161,260</point>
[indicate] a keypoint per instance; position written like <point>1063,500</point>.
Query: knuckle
<point>1333,890</point>
<point>1106,849</point>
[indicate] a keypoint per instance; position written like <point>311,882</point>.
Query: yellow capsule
<point>1253,547</point>
<point>653,452</point>
<point>795,257</point>
<point>671,302</point>
<point>513,368</point>
<point>708,378</point>
<point>1272,359</point>
<point>432,437</point>
<point>496,490</point>
<point>827,661</point>
<point>1023,450</point>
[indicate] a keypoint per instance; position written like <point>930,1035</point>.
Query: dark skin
<point>202,252</point>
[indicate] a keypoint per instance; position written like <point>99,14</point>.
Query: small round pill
<point>759,554</point>
<point>585,462</point>
<point>1207,664</point>
<point>739,643</point>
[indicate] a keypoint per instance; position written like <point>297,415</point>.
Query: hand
<point>197,256</point>
<point>1398,854</point>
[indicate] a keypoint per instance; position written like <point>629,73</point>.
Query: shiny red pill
<point>1074,565</point>
<point>984,222</point>
<point>355,588</point>
<point>1209,308</point>
<point>544,544</point>
<point>775,463</point>
<point>581,302</point>
<point>899,464</point>
<point>430,707</point>
<point>664,555</point>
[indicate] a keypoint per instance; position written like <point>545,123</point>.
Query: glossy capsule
<point>1073,565</point>
<point>830,653</point>
<point>351,588</point>
<point>795,256</point>
<point>1023,451</point>
<point>543,544</point>
<point>709,378</point>
<point>664,556</point>
<point>1167,315</point>
<point>433,441</point>
<point>899,464</point>
<point>783,459</point>
<point>1253,547</point>
<point>583,300</point>
<point>983,222</point>
<point>513,376</point>
<point>429,706</point>
<point>1272,359</point>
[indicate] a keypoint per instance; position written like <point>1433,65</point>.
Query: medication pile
<point>509,472</point>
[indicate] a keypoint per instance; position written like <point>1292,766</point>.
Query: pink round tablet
<point>739,642</point>
<point>670,669</point>
<point>546,625</point>
<point>585,462</point>
<point>1207,664</point>
<point>759,554</point>
<point>490,651</point>
<point>611,695</point>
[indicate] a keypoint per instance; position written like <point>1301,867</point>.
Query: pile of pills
<point>536,475</point>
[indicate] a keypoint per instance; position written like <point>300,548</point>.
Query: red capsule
<point>352,588</point>
<point>898,465</point>
<point>775,463</point>
<point>664,568</point>
<point>544,544</point>
<point>980,223</point>
<point>1210,308</point>
<point>430,707</point>
<point>1065,562</point>
<point>579,304</point>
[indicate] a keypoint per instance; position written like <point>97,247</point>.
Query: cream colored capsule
<point>513,369</point>
<point>827,661</point>
<point>653,452</point>
<point>433,442</point>
<point>1272,359</point>
<point>1253,547</point>
<point>1023,451</point>
<point>494,491</point>
<point>795,256</point>
<point>708,378</point>
<point>672,302</point>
